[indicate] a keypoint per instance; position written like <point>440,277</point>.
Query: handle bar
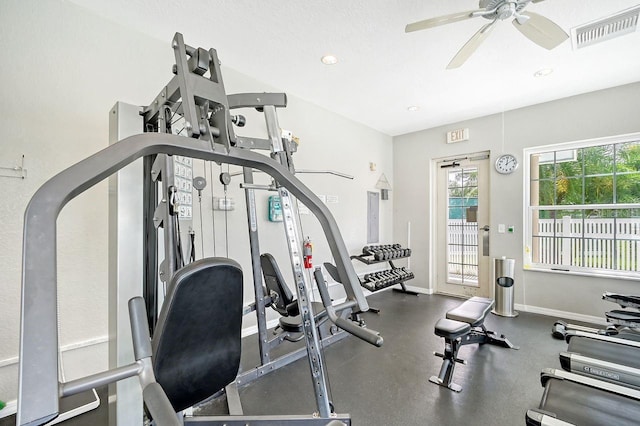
<point>369,336</point>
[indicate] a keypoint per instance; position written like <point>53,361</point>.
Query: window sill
<point>630,276</point>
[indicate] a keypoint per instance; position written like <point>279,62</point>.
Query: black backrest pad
<point>332,271</point>
<point>275,283</point>
<point>196,345</point>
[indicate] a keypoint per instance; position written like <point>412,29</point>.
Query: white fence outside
<point>603,243</point>
<point>462,245</point>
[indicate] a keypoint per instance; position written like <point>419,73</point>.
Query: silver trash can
<point>504,273</point>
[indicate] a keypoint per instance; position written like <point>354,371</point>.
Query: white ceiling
<point>382,70</point>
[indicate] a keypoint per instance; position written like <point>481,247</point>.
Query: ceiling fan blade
<point>440,20</point>
<point>536,1</point>
<point>542,31</point>
<point>471,46</point>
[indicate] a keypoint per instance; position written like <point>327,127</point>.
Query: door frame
<point>433,213</point>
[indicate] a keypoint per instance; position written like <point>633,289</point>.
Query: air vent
<point>621,23</point>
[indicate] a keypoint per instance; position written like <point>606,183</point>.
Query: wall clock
<point>506,164</point>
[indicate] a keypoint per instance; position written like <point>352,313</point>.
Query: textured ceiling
<point>382,70</point>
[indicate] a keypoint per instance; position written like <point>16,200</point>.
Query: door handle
<point>485,240</point>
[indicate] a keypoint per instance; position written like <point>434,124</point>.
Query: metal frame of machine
<point>203,103</point>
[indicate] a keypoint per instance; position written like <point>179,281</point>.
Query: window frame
<point>528,209</point>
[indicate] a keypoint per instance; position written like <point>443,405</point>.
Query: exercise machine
<point>603,357</point>
<point>196,92</point>
<point>166,175</point>
<point>624,322</point>
<point>464,325</point>
<point>289,326</point>
<point>571,399</point>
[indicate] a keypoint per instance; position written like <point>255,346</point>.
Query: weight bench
<point>464,325</point>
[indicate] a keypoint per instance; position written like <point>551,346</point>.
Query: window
<point>462,231</point>
<point>583,206</point>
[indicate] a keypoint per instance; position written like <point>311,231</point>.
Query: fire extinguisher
<point>307,249</point>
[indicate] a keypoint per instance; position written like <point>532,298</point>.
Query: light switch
<point>501,228</point>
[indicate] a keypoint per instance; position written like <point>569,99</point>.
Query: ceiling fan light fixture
<point>329,60</point>
<point>543,72</point>
<point>413,108</point>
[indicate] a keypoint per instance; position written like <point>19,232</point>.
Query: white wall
<point>62,71</point>
<point>593,115</point>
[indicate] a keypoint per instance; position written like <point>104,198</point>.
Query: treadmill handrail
<point>624,300</point>
<point>38,387</point>
<point>544,419</point>
<point>610,367</point>
<point>602,337</point>
<point>549,373</point>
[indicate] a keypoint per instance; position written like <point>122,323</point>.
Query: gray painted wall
<point>62,71</point>
<point>593,115</point>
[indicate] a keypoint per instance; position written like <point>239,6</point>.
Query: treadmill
<point>571,399</point>
<point>606,358</point>
<point>627,321</point>
<point>624,323</point>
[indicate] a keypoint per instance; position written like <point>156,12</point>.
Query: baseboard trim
<point>66,348</point>
<point>561,314</point>
<point>10,409</point>
<point>420,290</point>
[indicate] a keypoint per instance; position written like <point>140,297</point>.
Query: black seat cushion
<point>293,324</point>
<point>276,284</point>
<point>450,329</point>
<point>196,344</point>
<point>472,311</point>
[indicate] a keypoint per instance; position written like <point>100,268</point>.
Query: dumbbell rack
<point>382,279</point>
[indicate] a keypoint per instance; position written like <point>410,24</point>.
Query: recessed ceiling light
<point>329,60</point>
<point>413,108</point>
<point>543,72</point>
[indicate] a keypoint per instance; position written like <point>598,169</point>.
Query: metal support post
<point>125,265</point>
<point>252,221</point>
<point>294,245</point>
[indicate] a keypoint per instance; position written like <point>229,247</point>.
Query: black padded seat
<point>293,324</point>
<point>450,329</point>
<point>473,311</point>
<point>196,344</point>
<point>285,304</point>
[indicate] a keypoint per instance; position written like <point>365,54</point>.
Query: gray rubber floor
<point>390,385</point>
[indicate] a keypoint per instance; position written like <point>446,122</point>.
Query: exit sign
<point>459,135</point>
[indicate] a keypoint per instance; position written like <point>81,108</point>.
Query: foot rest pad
<point>450,329</point>
<point>473,311</point>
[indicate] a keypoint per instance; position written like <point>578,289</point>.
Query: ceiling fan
<point>536,28</point>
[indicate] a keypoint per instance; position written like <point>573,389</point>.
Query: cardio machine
<point>624,322</point>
